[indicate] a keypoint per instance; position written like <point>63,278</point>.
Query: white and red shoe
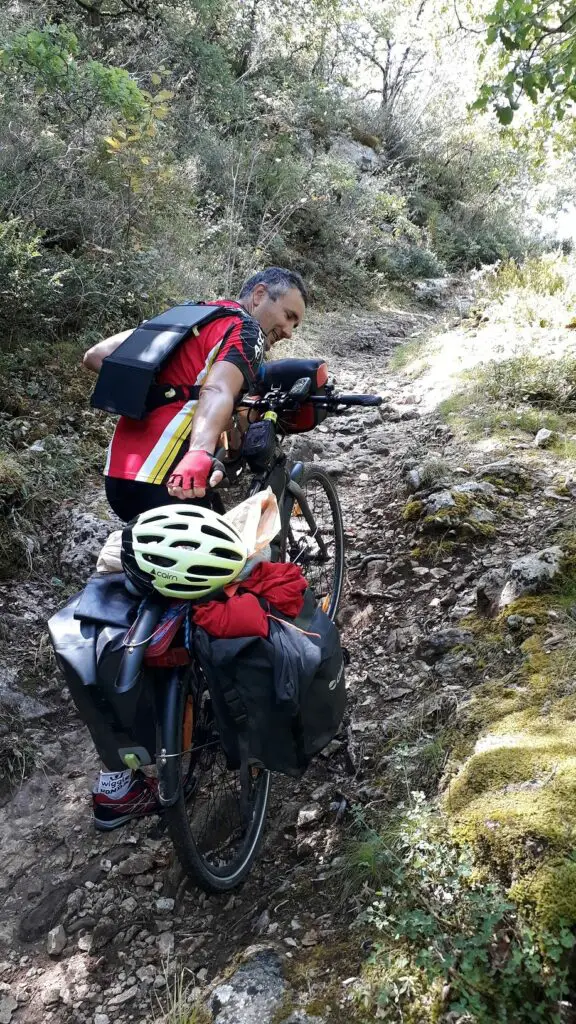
<point>112,811</point>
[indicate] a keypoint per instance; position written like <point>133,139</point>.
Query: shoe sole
<point>107,826</point>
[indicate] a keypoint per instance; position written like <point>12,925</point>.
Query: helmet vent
<point>211,531</point>
<point>185,588</point>
<point>208,570</point>
<point>233,556</point>
<point>167,563</point>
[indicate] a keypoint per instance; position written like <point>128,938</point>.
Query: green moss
<point>455,518</point>
<point>436,549</point>
<point>529,607</point>
<point>550,892</point>
<point>412,510</point>
<point>513,798</point>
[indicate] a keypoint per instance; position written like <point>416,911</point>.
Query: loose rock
<point>253,994</point>
<point>7,1006</point>
<point>309,815</point>
<point>137,864</point>
<point>56,941</point>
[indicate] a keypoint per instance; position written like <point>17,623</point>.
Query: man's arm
<point>193,474</point>
<point>94,357</point>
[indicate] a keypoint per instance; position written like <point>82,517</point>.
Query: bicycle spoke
<point>213,799</point>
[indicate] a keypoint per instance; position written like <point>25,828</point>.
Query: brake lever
<point>228,479</point>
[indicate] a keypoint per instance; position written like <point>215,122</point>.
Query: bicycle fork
<point>168,711</point>
<point>296,494</point>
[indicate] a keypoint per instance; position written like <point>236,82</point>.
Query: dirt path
<point>125,921</point>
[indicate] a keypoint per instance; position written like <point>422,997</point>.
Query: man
<point>169,456</point>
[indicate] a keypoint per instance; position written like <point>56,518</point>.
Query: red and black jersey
<point>147,450</point>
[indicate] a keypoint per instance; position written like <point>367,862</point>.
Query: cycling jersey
<point>147,450</point>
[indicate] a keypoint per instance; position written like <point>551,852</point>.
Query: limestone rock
<point>51,996</point>
<point>309,815</point>
<point>488,592</point>
<point>531,574</point>
<point>166,944</point>
<point>301,1017</point>
<point>505,469</point>
<point>364,158</point>
<point>253,994</point>
<point>543,438</point>
<point>84,535</point>
<point>137,864</point>
<point>439,500</point>
<point>56,941</point>
<point>441,641</point>
<point>528,575</point>
<point>165,905</point>
<point>413,480</point>
<point>7,1006</point>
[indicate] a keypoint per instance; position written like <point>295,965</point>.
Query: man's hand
<point>195,472</point>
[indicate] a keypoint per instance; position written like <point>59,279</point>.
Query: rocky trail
<point>102,929</point>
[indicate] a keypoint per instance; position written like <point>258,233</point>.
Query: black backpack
<point>260,720</point>
<point>127,380</point>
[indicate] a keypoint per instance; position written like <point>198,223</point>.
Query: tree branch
<point>466,28</point>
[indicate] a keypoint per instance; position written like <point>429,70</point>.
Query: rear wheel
<point>313,538</point>
<point>217,823</point>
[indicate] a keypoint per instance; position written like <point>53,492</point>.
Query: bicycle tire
<point>180,823</point>
<point>289,547</point>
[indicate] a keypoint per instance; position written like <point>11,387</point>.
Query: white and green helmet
<point>182,551</point>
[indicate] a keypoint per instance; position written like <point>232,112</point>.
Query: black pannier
<point>277,730</point>
<point>127,376</point>
<point>283,373</point>
<point>88,638</point>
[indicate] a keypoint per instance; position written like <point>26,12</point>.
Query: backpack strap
<point>165,394</point>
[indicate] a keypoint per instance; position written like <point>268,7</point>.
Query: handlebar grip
<point>360,399</point>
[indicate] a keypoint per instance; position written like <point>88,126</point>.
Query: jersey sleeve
<point>243,345</point>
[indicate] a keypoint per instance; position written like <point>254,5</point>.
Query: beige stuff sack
<point>109,557</point>
<point>257,520</point>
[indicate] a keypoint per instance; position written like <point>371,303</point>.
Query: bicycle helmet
<point>181,551</point>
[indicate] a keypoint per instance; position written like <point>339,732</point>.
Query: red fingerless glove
<point>193,470</point>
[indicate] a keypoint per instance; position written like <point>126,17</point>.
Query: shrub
<point>447,945</point>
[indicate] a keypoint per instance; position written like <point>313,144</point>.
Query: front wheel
<point>313,536</point>
<point>217,823</point>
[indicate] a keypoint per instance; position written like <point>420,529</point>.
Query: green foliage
<point>176,160</point>
<point>544,277</point>
<point>546,383</point>
<point>449,945</point>
<point>536,57</point>
<point>50,60</point>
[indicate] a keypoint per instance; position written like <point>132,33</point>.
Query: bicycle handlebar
<point>348,400</point>
<point>331,400</point>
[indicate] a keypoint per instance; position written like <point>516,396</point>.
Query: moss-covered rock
<point>550,891</point>
<point>412,510</point>
<point>514,797</point>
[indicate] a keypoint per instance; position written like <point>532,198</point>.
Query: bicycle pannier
<point>278,729</point>
<point>89,651</point>
<point>283,373</point>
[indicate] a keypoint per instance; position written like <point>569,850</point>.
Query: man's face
<point>277,317</point>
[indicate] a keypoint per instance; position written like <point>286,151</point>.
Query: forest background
<point>151,152</point>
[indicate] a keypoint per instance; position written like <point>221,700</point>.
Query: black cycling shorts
<point>128,498</point>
